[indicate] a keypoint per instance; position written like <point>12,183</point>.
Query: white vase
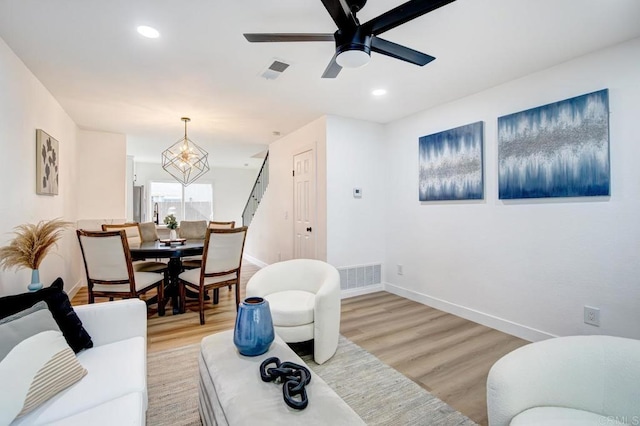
<point>173,235</point>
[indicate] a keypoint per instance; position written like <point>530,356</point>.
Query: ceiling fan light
<point>148,32</point>
<point>353,58</point>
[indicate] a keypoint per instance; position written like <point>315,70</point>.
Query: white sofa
<point>304,298</point>
<point>574,380</point>
<point>114,391</point>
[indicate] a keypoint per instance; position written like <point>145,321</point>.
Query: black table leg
<point>175,267</point>
<point>171,286</point>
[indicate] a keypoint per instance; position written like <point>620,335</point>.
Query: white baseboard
<point>509,327</point>
<point>255,261</point>
<point>75,289</point>
<point>345,294</point>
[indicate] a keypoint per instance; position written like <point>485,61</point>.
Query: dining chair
<point>148,232</point>
<point>194,262</point>
<point>110,272</point>
<point>222,225</point>
<point>192,229</point>
<point>221,260</point>
<point>134,238</point>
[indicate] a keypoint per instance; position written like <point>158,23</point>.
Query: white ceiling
<point>109,78</point>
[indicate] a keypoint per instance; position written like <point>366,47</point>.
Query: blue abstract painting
<point>556,150</point>
<point>451,164</point>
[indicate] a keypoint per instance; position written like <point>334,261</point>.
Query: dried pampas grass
<point>31,244</point>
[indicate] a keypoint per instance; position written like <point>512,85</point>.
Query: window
<point>194,202</point>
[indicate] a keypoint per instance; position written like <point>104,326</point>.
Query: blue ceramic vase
<point>253,333</point>
<point>35,281</point>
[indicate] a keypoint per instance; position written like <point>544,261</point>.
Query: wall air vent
<point>357,277</point>
<point>274,70</point>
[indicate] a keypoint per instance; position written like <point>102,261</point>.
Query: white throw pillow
<point>37,369</point>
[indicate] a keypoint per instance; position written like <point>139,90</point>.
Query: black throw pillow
<point>58,303</point>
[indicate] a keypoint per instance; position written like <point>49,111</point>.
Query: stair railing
<point>259,187</point>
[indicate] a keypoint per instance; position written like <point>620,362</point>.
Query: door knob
<point>309,229</point>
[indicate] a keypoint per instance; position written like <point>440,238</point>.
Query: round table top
<point>160,250</point>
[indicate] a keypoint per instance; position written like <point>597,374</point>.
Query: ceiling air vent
<point>274,70</point>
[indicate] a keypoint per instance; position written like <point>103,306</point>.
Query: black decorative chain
<point>293,377</point>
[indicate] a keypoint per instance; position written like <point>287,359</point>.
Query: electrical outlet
<point>400,270</point>
<point>592,315</point>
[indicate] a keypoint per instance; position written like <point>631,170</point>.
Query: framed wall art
<point>47,160</point>
<point>556,150</point>
<point>451,164</point>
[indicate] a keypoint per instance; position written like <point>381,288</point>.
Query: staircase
<point>262,181</point>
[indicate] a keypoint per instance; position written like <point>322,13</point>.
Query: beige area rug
<point>378,393</point>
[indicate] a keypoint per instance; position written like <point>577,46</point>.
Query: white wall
<point>528,266</point>
<point>129,178</point>
<point>348,231</point>
<point>355,226</point>
<point>26,105</point>
<point>271,233</point>
<point>102,168</point>
<point>231,188</point>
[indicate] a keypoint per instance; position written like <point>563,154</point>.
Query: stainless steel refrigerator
<point>139,210</point>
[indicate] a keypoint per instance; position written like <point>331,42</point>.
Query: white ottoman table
<point>232,393</point>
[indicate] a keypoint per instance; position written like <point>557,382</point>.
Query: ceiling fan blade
<point>333,69</point>
<point>286,37</point>
<point>401,14</point>
<point>400,52</point>
<point>340,13</point>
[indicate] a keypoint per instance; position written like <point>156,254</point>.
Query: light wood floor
<point>447,355</point>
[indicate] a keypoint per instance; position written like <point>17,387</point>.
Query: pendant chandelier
<point>184,160</point>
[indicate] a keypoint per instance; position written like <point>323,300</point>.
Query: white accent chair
<point>304,297</point>
<point>574,380</point>
<point>109,269</point>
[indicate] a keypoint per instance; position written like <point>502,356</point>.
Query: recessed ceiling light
<point>148,31</point>
<point>379,92</point>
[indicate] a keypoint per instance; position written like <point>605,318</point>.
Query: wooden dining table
<point>174,252</point>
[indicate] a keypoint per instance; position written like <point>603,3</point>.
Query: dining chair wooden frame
<point>116,265</point>
<point>212,258</point>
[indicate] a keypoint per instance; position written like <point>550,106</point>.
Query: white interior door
<point>304,202</point>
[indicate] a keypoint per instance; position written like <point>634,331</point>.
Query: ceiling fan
<point>355,41</point>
